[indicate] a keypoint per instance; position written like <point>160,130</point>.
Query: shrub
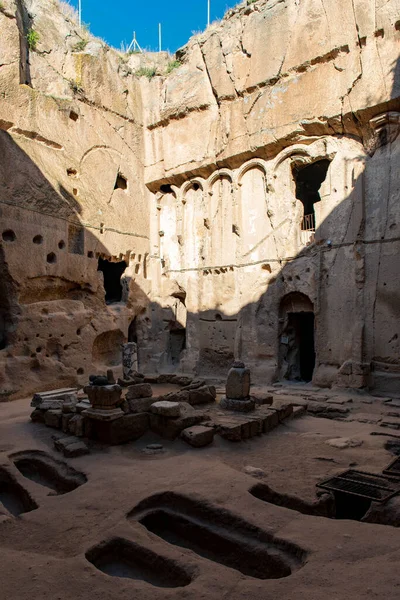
<point>80,46</point>
<point>148,72</point>
<point>173,64</point>
<point>32,39</point>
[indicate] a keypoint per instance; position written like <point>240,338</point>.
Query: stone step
<point>238,426</point>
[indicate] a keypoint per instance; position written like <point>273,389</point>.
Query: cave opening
<point>176,343</point>
<point>121,182</point>
<point>132,332</point>
<point>308,180</point>
<point>112,272</point>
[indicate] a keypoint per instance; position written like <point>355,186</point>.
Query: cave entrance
<point>132,331</point>
<point>6,302</point>
<point>301,330</point>
<point>297,347</point>
<point>112,272</point>
<point>176,343</point>
<point>308,180</point>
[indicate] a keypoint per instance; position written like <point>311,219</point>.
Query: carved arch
<point>221,174</point>
<point>254,163</point>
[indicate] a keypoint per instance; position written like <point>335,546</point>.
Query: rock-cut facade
<point>244,204</point>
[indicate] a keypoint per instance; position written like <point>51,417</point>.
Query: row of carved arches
<point>236,215</point>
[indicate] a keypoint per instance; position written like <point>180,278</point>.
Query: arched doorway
<point>296,338</point>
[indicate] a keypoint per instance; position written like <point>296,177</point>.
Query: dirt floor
<point>182,523</point>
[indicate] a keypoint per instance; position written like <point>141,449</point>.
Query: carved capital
<point>386,128</point>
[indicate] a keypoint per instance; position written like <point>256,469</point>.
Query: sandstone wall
<point>70,124</point>
<point>276,86</point>
<point>193,179</point>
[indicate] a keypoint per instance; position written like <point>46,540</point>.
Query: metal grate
<point>365,485</point>
<point>394,468</point>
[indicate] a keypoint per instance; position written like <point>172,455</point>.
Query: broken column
<point>238,389</point>
<point>129,360</point>
<point>105,401</point>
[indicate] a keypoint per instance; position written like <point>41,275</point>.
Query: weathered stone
<point>69,407</point>
<point>262,399</point>
<point>76,425</point>
<point>270,419</point>
<point>60,394</point>
<point>139,405</point>
<point>342,443</point>
<point>194,384</point>
<point>238,382</point>
<point>51,405</point>
<point>65,421</point>
<point>76,449</point>
<point>101,414</point>
<point>283,408</point>
<point>391,423</point>
<point>37,415</point>
<point>243,405</point>
<point>171,428</point>
<point>127,382</point>
<point>129,359</point>
<point>62,442</point>
<point>120,431</point>
<point>82,405</point>
<point>198,436</point>
<point>254,472</point>
<point>104,397</point>
<point>166,409</point>
<point>125,407</point>
<point>98,380</point>
<point>230,430</point>
<point>140,390</point>
<point>202,395</point>
<point>183,380</point>
<point>52,418</point>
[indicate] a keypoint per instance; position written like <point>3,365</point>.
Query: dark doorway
<point>132,332</point>
<point>301,328</point>
<point>308,181</point>
<point>177,343</point>
<point>112,272</point>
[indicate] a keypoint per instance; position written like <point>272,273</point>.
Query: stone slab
<point>37,416</point>
<point>61,443</point>
<point>76,449</point>
<point>169,428</point>
<point>120,431</point>
<point>391,423</point>
<point>236,405</point>
<point>59,394</point>
<point>98,414</point>
<point>167,409</point>
<point>139,405</point>
<point>52,418</point>
<point>139,390</point>
<point>198,436</point>
<point>76,425</point>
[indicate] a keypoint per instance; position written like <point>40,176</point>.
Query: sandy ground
<point>43,551</point>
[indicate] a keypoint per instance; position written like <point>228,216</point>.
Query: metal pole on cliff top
<point>159,38</point>
<point>208,12</point>
<point>80,12</point>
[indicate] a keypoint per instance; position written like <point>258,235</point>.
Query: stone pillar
<point>129,360</point>
<point>238,389</point>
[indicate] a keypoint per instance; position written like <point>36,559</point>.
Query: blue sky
<point>115,21</point>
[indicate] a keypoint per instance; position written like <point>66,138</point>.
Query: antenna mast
<point>134,45</point>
